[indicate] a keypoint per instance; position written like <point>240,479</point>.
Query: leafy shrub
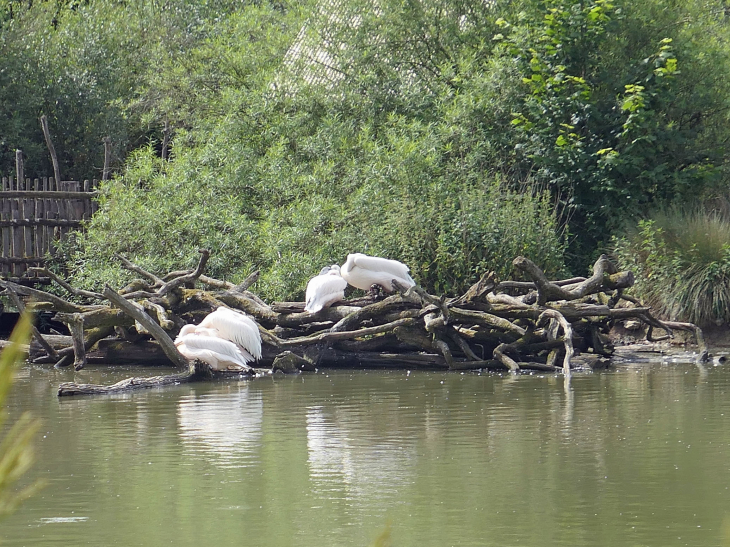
<point>448,236</point>
<point>284,110</point>
<point>604,117</point>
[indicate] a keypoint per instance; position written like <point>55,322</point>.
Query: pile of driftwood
<point>510,325</point>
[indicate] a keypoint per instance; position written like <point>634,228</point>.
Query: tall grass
<point>681,258</point>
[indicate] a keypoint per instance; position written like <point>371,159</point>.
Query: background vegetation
<point>448,134</point>
<point>682,260</point>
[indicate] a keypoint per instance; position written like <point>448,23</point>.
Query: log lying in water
<point>198,371</point>
<point>512,325</point>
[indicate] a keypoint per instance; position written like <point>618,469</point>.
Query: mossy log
<point>512,325</point>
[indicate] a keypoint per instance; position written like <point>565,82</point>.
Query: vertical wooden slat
<point>59,232</point>
<point>19,169</point>
<point>69,211</point>
<point>63,215</point>
<point>24,206</point>
<point>36,212</point>
<point>44,230</point>
<point>52,213</point>
<point>18,241</point>
<point>86,215</point>
<point>38,228</point>
<point>7,242</point>
<point>28,214</point>
<point>77,205</point>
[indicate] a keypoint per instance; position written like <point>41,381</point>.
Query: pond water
<point>639,455</point>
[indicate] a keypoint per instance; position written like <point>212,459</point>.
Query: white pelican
<point>236,327</point>
<point>325,289</point>
<point>220,354</point>
<point>363,271</point>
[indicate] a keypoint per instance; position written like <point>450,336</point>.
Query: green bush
<point>448,236</point>
<point>614,114</point>
<point>681,260</point>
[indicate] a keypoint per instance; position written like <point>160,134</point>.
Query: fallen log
<point>153,328</point>
<point>604,277</point>
<point>198,371</point>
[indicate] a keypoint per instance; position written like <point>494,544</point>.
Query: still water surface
<point>638,456</point>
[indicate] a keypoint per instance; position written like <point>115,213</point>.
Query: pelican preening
<point>220,354</point>
<point>225,339</point>
<point>363,271</point>
<point>236,327</point>
<point>325,289</point>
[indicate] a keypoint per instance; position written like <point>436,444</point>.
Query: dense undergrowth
<point>450,135</point>
<point>682,261</point>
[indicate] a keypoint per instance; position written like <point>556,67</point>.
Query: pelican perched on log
<point>235,327</point>
<point>220,354</point>
<point>225,339</point>
<point>363,271</point>
<point>325,289</point>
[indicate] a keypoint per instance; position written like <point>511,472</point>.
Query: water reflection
<point>228,426</point>
<point>343,457</point>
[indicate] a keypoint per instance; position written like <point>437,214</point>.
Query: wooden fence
<point>35,215</point>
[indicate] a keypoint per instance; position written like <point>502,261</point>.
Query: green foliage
<point>274,172</point>
<point>16,452</point>
<point>611,139</point>
<point>82,64</point>
<point>682,264</point>
<point>288,219</point>
<point>303,131</point>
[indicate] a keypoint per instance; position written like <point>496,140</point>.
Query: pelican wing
<point>185,330</point>
<point>362,271</point>
<point>324,290</point>
<point>384,265</point>
<point>235,327</point>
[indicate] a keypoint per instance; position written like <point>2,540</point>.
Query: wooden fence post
<point>51,148</point>
<point>19,175</point>
<point>107,158</point>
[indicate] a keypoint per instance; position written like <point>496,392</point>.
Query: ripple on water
<point>59,520</point>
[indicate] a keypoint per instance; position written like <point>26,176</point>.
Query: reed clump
<point>681,259</point>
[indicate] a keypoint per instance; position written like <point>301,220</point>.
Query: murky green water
<point>633,457</point>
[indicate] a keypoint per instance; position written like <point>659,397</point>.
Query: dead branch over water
<point>537,325</point>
